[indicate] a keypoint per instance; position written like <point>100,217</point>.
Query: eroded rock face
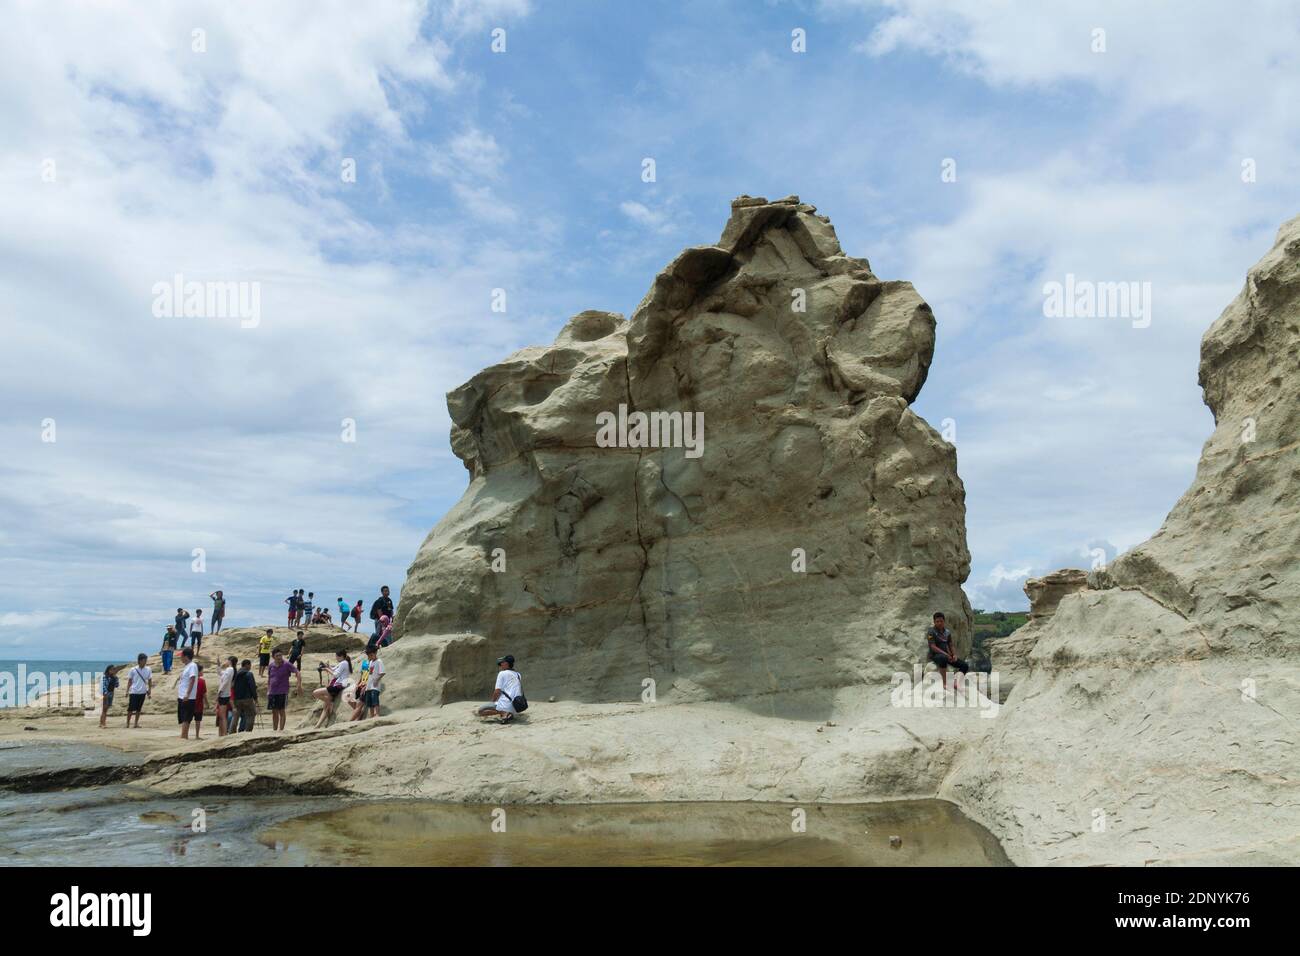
<point>1045,593</point>
<point>1158,719</point>
<point>676,564</point>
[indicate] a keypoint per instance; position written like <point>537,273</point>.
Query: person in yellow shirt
<point>264,651</point>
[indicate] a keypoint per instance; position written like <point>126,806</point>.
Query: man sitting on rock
<point>508,690</point>
<point>941,650</point>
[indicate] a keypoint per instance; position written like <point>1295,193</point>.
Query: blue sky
<point>521,170</point>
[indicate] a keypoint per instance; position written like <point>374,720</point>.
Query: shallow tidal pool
<point>408,833</point>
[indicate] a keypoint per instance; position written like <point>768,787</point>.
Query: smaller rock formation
<point>1046,592</point>
<point>1010,654</point>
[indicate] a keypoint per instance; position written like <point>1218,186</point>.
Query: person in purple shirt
<point>277,687</point>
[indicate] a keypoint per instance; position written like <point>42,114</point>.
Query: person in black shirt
<point>245,694</point>
<point>942,652</point>
<point>295,653</point>
<point>383,606</point>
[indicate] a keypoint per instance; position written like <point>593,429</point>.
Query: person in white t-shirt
<point>224,706</point>
<point>374,684</point>
<point>509,686</point>
<point>139,685</point>
<point>187,692</point>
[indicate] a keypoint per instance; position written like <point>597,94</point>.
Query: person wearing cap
<point>508,687</point>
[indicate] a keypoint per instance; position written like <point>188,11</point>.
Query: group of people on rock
<point>188,631</point>
<point>237,692</point>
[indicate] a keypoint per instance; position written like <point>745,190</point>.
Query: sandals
<point>507,718</point>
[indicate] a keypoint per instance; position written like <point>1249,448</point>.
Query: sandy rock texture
<point>1158,718</point>
<point>1010,654</point>
<point>615,565</point>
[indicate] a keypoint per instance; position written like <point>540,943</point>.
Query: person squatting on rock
<point>942,653</point>
<point>508,697</point>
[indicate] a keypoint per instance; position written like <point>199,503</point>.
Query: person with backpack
<point>139,685</point>
<point>941,651</point>
<point>107,685</point>
<point>383,606</point>
<point>508,697</point>
<point>356,615</point>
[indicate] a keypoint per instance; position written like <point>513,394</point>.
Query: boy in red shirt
<point>200,702</point>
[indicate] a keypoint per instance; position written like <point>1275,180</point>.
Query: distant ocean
<point>20,680</point>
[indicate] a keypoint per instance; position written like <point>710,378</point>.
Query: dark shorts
<point>184,711</point>
<point>335,689</point>
<point>276,701</point>
<point>223,701</point>
<point>135,704</point>
<point>198,716</point>
<point>943,662</point>
<point>371,698</point>
<point>108,701</point>
<point>264,659</point>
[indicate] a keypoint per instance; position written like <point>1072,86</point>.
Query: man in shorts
<point>297,649</point>
<point>292,601</point>
<point>187,692</point>
<point>374,684</point>
<point>277,687</point>
<point>306,604</point>
<point>139,685</point>
<point>942,652</point>
<point>264,651</point>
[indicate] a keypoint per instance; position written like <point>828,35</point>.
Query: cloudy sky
<point>139,141</point>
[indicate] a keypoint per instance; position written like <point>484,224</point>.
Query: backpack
<point>520,703</point>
